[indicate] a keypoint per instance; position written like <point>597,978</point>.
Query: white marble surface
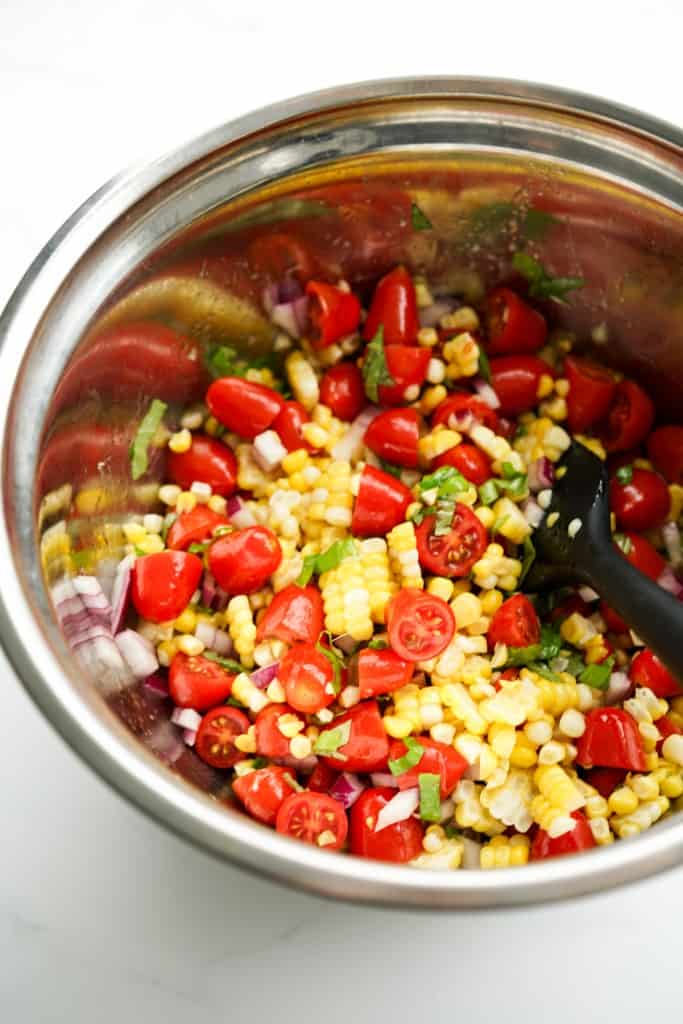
<point>103,916</point>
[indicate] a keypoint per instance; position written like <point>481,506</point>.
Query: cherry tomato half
<point>642,503</point>
<point>195,682</point>
<point>215,742</point>
<point>307,676</point>
<point>243,406</point>
<point>381,672</point>
<point>580,838</point>
<point>270,742</point>
<point>420,625</point>
<point>458,405</point>
<point>394,435</point>
<point>516,379</point>
<point>294,614</point>
<point>629,419</point>
<point>342,391</point>
<point>591,391</point>
<point>380,504</point>
<point>611,740</point>
<point>515,623</point>
<point>437,759</point>
<point>163,584</point>
<point>407,364</point>
<point>665,448</point>
<point>469,460</point>
<point>394,308</point>
<point>334,313</point>
<point>512,325</point>
<point>368,745</point>
<point>647,670</point>
<point>314,818</point>
<point>399,843</point>
<point>193,527</point>
<point>263,792</point>
<point>452,554</point>
<point>207,460</point>
<point>288,423</point>
<point>242,561</point>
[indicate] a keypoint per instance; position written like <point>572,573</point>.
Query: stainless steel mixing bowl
<point>597,190</point>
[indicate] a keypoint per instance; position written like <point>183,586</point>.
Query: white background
<point>103,916</point>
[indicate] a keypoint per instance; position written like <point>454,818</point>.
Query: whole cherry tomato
<point>308,677</point>
<point>380,504</point>
<point>647,670</point>
<point>611,740</point>
<point>420,625</point>
<point>334,312</point>
<point>580,838</point>
<point>407,365</point>
<point>437,759</point>
<point>515,623</point>
<point>294,614</point>
<point>399,843</point>
<point>629,419</point>
<point>367,747</point>
<point>516,380</point>
<point>642,503</point>
<point>287,425</point>
<point>452,554</point>
<point>512,325</point>
<point>665,448</point>
<point>381,672</point>
<point>605,780</point>
<point>342,391</point>
<point>263,791</point>
<point>242,561</point>
<point>163,584</point>
<point>207,460</point>
<point>314,818</point>
<point>393,435</point>
<point>469,460</point>
<point>591,391</point>
<point>215,742</point>
<point>243,406</point>
<point>195,682</point>
<point>270,742</point>
<point>394,308</point>
<point>458,405</point>
<point>193,527</point>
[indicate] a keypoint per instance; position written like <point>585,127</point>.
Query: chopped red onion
<point>486,392</point>
<point>540,475</point>
<point>430,315</point>
<point>618,688</point>
<point>668,581</point>
<point>291,316</point>
<point>239,513</point>
<point>588,595</point>
<point>671,536</point>
<point>156,684</point>
<point>186,718</point>
<point>120,595</point>
<point>350,446</point>
<point>212,596</point>
<point>280,292</point>
<point>533,513</point>
<point>262,677</point>
<point>384,779</point>
<point>189,737</point>
<point>346,789</point>
<point>398,808</point>
<point>137,652</point>
<point>205,632</point>
<point>166,742</point>
<point>222,643</point>
<point>305,765</point>
<point>462,420</point>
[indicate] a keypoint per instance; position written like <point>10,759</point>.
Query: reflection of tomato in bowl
<point>288,474</point>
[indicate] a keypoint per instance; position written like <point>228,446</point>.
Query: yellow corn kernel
<point>295,461</point>
<point>578,630</point>
<point>438,441</point>
<point>431,398</point>
<point>189,645</point>
<point>186,502</point>
<point>246,742</point>
<point>504,852</point>
<point>302,380</point>
<point>427,337</point>
<point>491,602</point>
<point>134,532</point>
<point>377,575</point>
<point>546,385</point>
<point>242,629</point>
<point>467,609</point>
<point>180,442</point>
<point>403,556</point>
<point>441,587</point>
<point>513,525</point>
<point>502,739</point>
<point>676,495</point>
<point>523,753</point>
<point>557,787</point>
<point>186,621</point>
<point>152,544</point>
<point>397,727</point>
<point>166,652</point>
<point>462,356</point>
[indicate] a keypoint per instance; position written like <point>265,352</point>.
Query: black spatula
<point>574,544</point>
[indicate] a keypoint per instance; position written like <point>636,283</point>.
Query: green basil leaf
<point>420,220</point>
<point>227,663</point>
<point>484,365</point>
<point>378,643</point>
<point>375,371</point>
<point>625,474</point>
<point>198,549</point>
<point>389,468</point>
<point>543,670</point>
<point>447,480</point>
<point>430,796</point>
<point>541,284</point>
<point>411,758</point>
<point>597,676</point>
<point>537,223</point>
<point>329,741</point>
<point>334,658</point>
<point>144,437</point>
<point>326,560</point>
<point>488,492</point>
<point>257,762</point>
<point>528,559</point>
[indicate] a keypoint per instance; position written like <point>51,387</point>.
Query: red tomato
<point>307,676</point>
<point>322,778</point>
<point>515,623</point>
<point>511,324</point>
<point>420,625</point>
<point>270,742</point>
<point>381,672</point>
<point>591,390</point>
<point>287,425</point>
<point>460,403</point>
<point>641,504</point>
<point>611,740</point>
<point>195,682</point>
<point>572,604</point>
<point>666,728</point>
<point>294,614</point>
<point>647,670</point>
<point>580,838</point>
<point>393,435</point>
<point>334,313</point>
<point>242,561</point>
<point>243,406</point>
<point>193,527</point>
<point>665,448</point>
<point>342,391</point>
<point>605,780</point>
<point>452,554</point>
<point>380,505</point>
<point>278,255</point>
<point>643,556</point>
<point>394,308</point>
<point>163,584</point>
<point>437,759</point>
<point>629,419</point>
<point>469,460</point>
<point>400,842</point>
<point>208,461</point>
<point>407,364</point>
<point>314,818</point>
<point>515,380</point>
<point>215,742</point>
<point>263,792</point>
<point>368,745</point>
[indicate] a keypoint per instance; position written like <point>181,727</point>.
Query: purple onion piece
<point>263,676</point>
<point>541,475</point>
<point>346,789</point>
<point>156,684</point>
<point>120,595</point>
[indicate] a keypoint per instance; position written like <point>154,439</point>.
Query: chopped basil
<point>234,703</point>
<point>430,796</point>
<point>484,365</point>
<point>257,762</point>
<point>447,480</point>
<point>452,831</point>
<point>623,542</point>
<point>334,659</point>
<point>327,560</point>
<point>498,524</point>
<point>411,758</point>
<point>597,676</point>
<point>420,220</point>
<point>389,468</point>
<point>541,284</point>
<point>225,361</point>
<point>575,665</point>
<point>378,643</point>
<point>543,670</point>
<point>375,371</point>
<point>625,474</point>
<point>227,663</point>
<point>488,492</point>
<point>329,741</point>
<point>513,483</point>
<point>139,553</point>
<point>528,559</point>
<point>443,516</point>
<point>198,549</point>
<point>548,647</point>
<point>144,437</point>
<point>537,223</point>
